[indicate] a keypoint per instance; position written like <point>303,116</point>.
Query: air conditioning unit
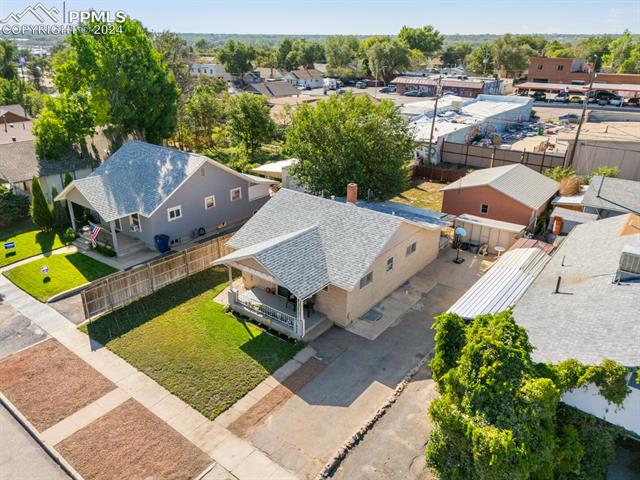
<point>135,228</point>
<point>629,267</point>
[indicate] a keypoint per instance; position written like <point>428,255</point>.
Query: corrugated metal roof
<point>504,283</point>
<point>516,181</point>
<point>446,82</point>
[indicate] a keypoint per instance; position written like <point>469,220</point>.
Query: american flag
<point>94,231</point>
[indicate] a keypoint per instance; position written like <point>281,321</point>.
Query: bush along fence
<point>473,156</point>
<point>119,289</point>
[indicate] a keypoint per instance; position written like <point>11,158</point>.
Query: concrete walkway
<point>235,455</point>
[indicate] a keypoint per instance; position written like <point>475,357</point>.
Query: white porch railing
<point>286,320</point>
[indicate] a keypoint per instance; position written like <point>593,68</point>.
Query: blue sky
<point>367,16</point>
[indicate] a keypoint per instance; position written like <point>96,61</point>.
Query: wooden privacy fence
<point>121,288</point>
<point>484,157</point>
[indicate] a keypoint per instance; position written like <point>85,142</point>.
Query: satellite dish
<point>460,232</point>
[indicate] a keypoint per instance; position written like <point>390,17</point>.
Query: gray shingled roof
<point>138,178</point>
<point>591,318</point>
<point>516,181</point>
<point>342,238</point>
<point>614,194</point>
<point>279,88</point>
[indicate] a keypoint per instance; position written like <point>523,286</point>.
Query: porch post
<point>230,276</point>
<point>114,238</point>
<point>71,215</point>
<point>300,315</point>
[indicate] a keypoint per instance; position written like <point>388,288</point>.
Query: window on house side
<point>174,213</point>
<point>209,202</point>
<point>389,264</point>
<point>235,194</point>
<point>366,280</point>
<point>484,208</point>
<point>560,68</point>
<point>539,66</point>
<point>411,248</point>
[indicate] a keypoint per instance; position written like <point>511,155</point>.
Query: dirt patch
<point>47,383</point>
<point>245,425</point>
<point>131,442</point>
<point>71,308</point>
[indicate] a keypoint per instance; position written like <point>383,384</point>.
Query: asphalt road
<point>21,458</point>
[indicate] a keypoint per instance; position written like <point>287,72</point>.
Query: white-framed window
<point>209,202</point>
<point>174,213</point>
<point>389,264</point>
<point>411,248</point>
<point>366,280</point>
<point>484,208</point>
<point>235,194</point>
<point>134,220</point>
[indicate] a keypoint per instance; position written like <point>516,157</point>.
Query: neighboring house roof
<point>16,131</point>
<point>591,318</point>
<point>616,194</point>
<point>521,183</point>
<point>294,230</point>
<point>420,216</point>
<point>306,74</point>
<point>274,73</point>
<point>575,216</point>
<point>13,113</point>
<point>274,169</point>
<point>503,285</point>
<point>19,163</point>
<point>278,88</point>
<point>139,177</point>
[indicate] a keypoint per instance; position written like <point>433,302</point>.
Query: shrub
<point>104,250</point>
<point>40,212</point>
<point>13,207</point>
<point>602,171</point>
<point>69,236</point>
<point>559,173</point>
<point>59,211</point>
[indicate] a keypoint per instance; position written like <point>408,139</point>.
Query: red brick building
<point>559,70</point>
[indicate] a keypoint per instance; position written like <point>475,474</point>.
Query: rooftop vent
<point>629,268</point>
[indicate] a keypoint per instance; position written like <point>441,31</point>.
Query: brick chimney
<point>352,193</point>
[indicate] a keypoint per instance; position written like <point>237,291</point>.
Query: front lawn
<point>190,345</point>
<point>423,195</point>
<point>65,272</point>
<point>29,241</point>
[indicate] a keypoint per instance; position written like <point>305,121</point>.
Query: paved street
<point>21,458</point>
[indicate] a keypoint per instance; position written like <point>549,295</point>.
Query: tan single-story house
<point>512,193</point>
<point>308,262</point>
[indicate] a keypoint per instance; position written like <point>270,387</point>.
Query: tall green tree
<point>350,139</point>
<point>480,60</point>
<point>454,55</point>
<point>237,57</point>
<point>511,56</point>
<point>305,54</point>
<point>202,113</point>
<point>59,213</point>
<point>8,55</point>
<point>177,55</point>
<point>248,122</point>
<point>283,50</point>
<point>388,58</point>
<point>594,48</point>
<point>426,39</point>
<point>499,415</point>
<point>39,211</point>
<point>624,54</point>
<point>129,86</point>
<point>342,55</point>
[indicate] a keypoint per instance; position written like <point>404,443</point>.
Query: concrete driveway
<point>304,432</point>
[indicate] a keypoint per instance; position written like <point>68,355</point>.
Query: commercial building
<point>574,71</point>
<point>462,86</point>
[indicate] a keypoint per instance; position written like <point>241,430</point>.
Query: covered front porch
<point>275,307</point>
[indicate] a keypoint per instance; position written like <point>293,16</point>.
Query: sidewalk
<point>235,455</point>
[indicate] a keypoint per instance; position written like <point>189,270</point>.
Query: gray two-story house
<point>144,190</point>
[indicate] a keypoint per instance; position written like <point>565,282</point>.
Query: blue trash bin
<point>162,243</point>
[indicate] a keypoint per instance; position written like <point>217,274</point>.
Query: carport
<point>492,232</point>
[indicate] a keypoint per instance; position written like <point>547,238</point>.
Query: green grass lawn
<point>190,345</point>
<point>29,240</point>
<point>423,195</point>
<point>65,272</point>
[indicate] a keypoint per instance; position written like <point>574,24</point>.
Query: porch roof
<point>296,260</point>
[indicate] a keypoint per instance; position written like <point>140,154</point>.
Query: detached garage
<point>492,232</point>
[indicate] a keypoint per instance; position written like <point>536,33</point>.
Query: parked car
<point>539,96</point>
<point>340,91</point>
<point>562,97</point>
<point>569,117</point>
<point>633,102</point>
<point>602,97</point>
<point>415,93</point>
<point>576,98</point>
<point>361,84</point>
<point>616,100</point>
<point>388,89</point>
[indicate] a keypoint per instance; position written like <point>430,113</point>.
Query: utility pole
<point>572,152</point>
<point>435,112</point>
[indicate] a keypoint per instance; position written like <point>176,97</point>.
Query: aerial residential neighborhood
<point>313,241</point>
